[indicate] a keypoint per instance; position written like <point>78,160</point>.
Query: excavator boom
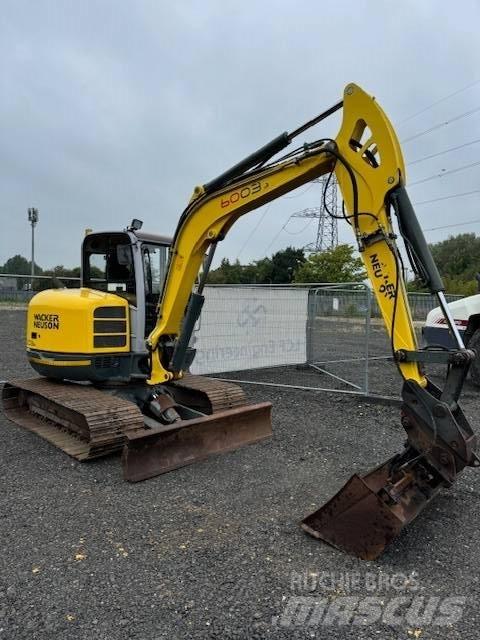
<point>365,135</point>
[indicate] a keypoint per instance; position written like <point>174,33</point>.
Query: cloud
<point>117,110</point>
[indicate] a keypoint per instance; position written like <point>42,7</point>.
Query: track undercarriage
<point>195,417</point>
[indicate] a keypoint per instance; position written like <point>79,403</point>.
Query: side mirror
<point>135,225</point>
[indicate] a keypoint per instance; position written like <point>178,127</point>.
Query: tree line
<point>21,266</point>
<point>458,260</point>
<point>292,265</point>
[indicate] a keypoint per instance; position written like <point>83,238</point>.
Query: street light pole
<point>33,219</point>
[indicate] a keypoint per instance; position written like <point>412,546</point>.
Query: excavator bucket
<point>150,452</point>
<point>369,512</point>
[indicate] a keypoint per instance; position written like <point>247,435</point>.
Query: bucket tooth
<point>369,512</point>
<point>151,452</point>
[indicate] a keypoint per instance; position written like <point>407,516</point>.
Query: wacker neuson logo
<point>46,321</point>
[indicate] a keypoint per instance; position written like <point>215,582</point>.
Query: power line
<point>276,236</point>
<point>446,173</point>
<point>434,104</point>
<point>289,218</point>
<point>253,231</point>
<point>326,214</point>
<point>297,195</point>
<point>417,204</point>
<point>297,233</point>
<point>283,228</point>
<point>441,124</point>
<point>433,155</point>
<point>453,195</point>
<point>441,153</point>
<point>449,226</point>
<point>433,177</point>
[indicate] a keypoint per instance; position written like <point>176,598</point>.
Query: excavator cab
<point>107,261</point>
<point>131,264</point>
<point>98,331</point>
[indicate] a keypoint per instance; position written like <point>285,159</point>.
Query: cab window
<point>154,258</point>
<point>108,265</point>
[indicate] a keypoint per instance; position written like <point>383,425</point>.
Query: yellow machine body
<point>68,328</point>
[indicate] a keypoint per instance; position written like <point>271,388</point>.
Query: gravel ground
<point>214,550</point>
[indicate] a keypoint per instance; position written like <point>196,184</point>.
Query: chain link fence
<point>347,341</point>
<point>18,289</point>
<point>339,335</point>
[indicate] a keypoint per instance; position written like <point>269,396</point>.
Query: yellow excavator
<point>140,396</point>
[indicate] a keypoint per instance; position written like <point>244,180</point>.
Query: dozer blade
<point>369,512</point>
<point>151,452</point>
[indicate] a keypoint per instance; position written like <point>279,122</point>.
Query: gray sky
<point>113,110</point>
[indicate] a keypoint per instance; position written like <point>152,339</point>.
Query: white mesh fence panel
<point>251,327</point>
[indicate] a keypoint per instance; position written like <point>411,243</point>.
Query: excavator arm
<point>367,160</point>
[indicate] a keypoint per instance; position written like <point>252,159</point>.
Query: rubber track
<point>82,421</point>
<point>88,423</point>
<point>215,395</point>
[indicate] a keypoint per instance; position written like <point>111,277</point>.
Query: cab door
<point>154,261</point>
